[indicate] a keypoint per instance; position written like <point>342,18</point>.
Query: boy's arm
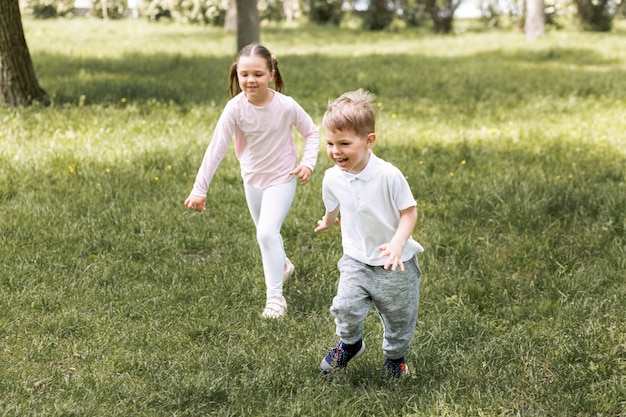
<point>329,219</point>
<point>393,249</point>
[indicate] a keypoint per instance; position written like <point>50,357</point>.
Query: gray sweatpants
<point>395,295</point>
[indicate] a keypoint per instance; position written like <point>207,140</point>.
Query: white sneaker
<point>289,268</point>
<point>275,307</point>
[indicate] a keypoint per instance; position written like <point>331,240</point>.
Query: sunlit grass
<point>117,301</point>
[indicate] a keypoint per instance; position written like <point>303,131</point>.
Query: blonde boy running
<point>378,214</point>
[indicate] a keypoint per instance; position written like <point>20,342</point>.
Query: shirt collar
<point>366,173</point>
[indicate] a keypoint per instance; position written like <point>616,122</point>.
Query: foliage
<point>325,12</point>
<point>115,9</point>
<point>271,10</point>
<point>379,15</point>
<point>596,15</point>
<point>46,9</point>
<point>116,301</point>
<point>620,9</point>
<point>212,12</point>
<point>412,12</point>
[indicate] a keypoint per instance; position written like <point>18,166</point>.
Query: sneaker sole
<point>401,375</point>
<point>327,368</point>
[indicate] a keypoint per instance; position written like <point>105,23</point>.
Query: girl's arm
<point>222,137</point>
<point>311,134</point>
<point>195,203</point>
<point>393,249</point>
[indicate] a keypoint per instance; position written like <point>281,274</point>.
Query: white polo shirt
<point>369,204</point>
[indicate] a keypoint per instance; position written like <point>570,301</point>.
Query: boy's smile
<point>349,151</point>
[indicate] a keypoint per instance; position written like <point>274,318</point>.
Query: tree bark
<point>230,24</point>
<point>248,30</point>
<point>535,26</point>
<point>442,17</point>
<point>18,83</point>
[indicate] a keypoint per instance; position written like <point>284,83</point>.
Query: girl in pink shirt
<point>261,120</point>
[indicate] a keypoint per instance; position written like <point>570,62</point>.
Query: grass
<point>115,300</point>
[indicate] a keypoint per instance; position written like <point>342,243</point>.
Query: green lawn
<point>116,301</point>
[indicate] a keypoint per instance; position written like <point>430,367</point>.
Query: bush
<point>271,10</point>
<point>378,15</point>
<point>326,11</point>
<point>596,15</point>
<point>210,12</point>
<point>115,9</point>
<point>412,12</point>
<point>46,9</point>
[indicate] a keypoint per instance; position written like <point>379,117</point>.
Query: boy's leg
<point>352,302</point>
<point>350,307</point>
<point>397,300</point>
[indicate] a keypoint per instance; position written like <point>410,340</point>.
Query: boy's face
<point>349,151</point>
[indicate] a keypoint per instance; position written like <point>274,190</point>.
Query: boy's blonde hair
<point>353,112</point>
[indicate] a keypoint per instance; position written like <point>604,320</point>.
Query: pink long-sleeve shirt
<point>264,142</point>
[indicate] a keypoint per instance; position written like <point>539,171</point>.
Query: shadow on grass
<point>506,76</point>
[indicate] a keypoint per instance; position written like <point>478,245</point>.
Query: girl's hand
<point>303,173</point>
<point>196,203</point>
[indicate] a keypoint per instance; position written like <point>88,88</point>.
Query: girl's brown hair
<point>254,49</point>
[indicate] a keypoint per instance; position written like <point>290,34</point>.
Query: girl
<point>261,120</point>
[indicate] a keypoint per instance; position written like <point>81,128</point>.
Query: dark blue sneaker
<point>339,356</point>
<point>394,368</point>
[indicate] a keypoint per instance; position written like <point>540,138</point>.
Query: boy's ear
<point>371,138</point>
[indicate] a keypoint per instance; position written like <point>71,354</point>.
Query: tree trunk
<point>535,26</point>
<point>230,24</point>
<point>105,10</point>
<point>288,9</point>
<point>248,30</point>
<point>442,17</point>
<point>18,83</point>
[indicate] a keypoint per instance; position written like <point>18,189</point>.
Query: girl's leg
<point>269,208</point>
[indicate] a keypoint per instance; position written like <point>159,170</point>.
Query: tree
<point>230,21</point>
<point>442,14</point>
<point>378,15</point>
<point>534,25</point>
<point>248,30</point>
<point>596,15</point>
<point>18,83</point>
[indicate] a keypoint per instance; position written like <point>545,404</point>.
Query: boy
<point>378,214</point>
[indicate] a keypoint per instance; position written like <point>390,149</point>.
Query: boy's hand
<point>324,224</point>
<point>303,173</point>
<point>195,203</point>
<point>394,254</point>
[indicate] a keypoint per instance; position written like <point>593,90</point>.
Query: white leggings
<point>268,208</point>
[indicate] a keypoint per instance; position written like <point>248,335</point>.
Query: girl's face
<point>254,78</point>
<point>349,151</point>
